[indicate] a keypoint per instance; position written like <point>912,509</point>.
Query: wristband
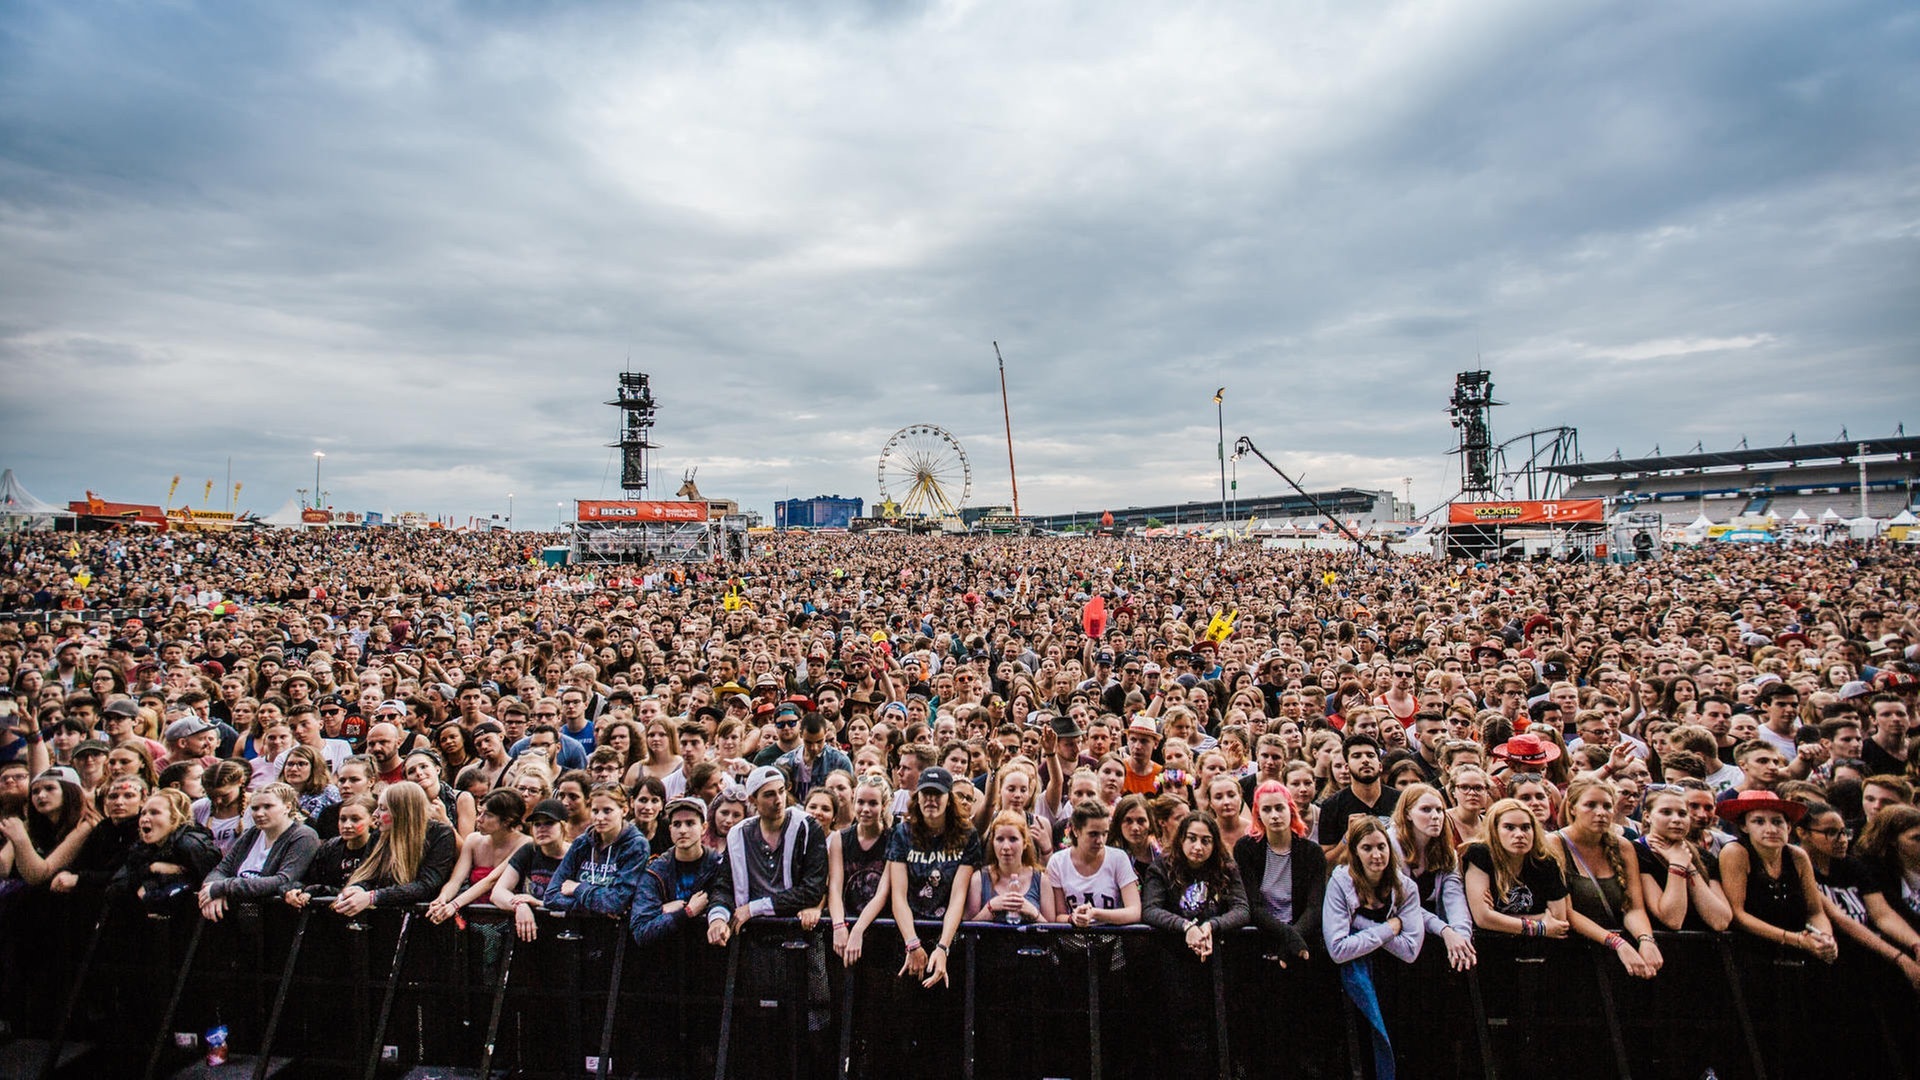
<point>941,947</point>
<point>839,924</point>
<point>1644,939</point>
<point>913,944</point>
<point>1615,941</point>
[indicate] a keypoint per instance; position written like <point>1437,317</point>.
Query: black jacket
<point>436,865</point>
<point>1309,872</point>
<point>190,847</point>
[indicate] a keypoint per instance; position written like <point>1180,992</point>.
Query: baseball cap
<point>551,809</point>
<point>186,729</point>
<point>391,703</point>
<point>685,802</point>
<point>762,776</point>
<point>935,778</point>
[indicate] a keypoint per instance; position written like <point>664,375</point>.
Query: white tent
<point>1801,515</point>
<point>1863,528</point>
<point>20,509</point>
<point>287,517</point>
<point>1904,517</point>
<point>1829,515</point>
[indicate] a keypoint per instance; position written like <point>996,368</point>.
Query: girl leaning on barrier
<point>1009,888</point>
<point>523,882</point>
<point>337,858</point>
<point>1823,834</point>
<point>1196,894</point>
<point>1371,907</point>
<point>1679,882</point>
<point>174,855</point>
<point>483,854</point>
<point>1284,874</point>
<point>58,820</point>
<point>931,859</point>
<point>1090,881</point>
<point>269,856</point>
<point>1769,882</point>
<point>601,868</point>
<point>1514,885</point>
<point>409,862</point>
<point>1890,885</point>
<point>1421,836</point>
<point>857,866</point>
<point>113,836</point>
<point>1603,878</point>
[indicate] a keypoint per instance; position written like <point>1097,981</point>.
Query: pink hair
<point>1258,829</point>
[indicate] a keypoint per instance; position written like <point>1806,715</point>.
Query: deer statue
<point>688,489</point>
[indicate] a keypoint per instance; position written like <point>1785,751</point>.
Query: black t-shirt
<point>930,872</point>
<point>335,862</point>
<point>1879,762</point>
<point>1343,805</point>
<point>1655,866</point>
<point>1899,891</point>
<point>1842,884</point>
<point>1540,882</point>
<point>535,869</point>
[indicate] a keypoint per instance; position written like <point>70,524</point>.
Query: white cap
<point>762,776</point>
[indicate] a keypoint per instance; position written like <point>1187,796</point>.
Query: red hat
<point>1534,623</point>
<point>1528,750</point>
<point>1746,802</point>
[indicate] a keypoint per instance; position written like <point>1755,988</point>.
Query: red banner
<point>606,510</point>
<point>1563,512</point>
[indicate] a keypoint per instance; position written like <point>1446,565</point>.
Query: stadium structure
<point>1777,482</point>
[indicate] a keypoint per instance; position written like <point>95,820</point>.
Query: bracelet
<point>1644,938</point>
<point>941,947</point>
<point>913,944</point>
<point>1529,928</point>
<point>839,924</point>
<point>1615,941</point>
<point>1681,872</point>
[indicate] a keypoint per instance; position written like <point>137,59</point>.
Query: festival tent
<point>287,517</point>
<point>1801,515</point>
<point>1904,517</point>
<point>1828,515</point>
<point>1863,528</point>
<point>20,509</point>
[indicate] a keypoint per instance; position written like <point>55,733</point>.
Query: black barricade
<point>92,990</point>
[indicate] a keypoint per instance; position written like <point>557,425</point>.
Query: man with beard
<point>1363,795</point>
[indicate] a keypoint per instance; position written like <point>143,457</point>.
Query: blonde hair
<point>1507,866</point>
<point>396,855</point>
<point>179,807</point>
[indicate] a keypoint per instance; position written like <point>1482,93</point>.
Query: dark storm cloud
<point>423,239</point>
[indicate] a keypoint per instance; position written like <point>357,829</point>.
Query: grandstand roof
<point>1771,455</point>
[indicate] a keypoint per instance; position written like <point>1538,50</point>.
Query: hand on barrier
<point>916,963</point>
<point>1460,952</point>
<point>718,931</point>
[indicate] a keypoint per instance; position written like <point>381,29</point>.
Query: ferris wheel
<point>924,472</point>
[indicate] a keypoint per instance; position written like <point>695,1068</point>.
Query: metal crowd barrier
<point>87,990</point>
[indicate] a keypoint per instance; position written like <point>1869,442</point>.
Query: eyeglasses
<point>1830,833</point>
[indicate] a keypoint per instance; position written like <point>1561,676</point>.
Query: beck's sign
<point>637,511</point>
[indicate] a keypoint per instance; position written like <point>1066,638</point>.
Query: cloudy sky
<point>424,238</point>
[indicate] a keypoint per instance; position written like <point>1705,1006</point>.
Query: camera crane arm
<point>1244,445</point>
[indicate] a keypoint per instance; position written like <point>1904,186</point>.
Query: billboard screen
<point>1523,512</point>
<point>633,510</point>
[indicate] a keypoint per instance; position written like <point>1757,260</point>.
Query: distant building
<point>819,512</point>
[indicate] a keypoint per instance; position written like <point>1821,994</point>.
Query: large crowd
<point>1362,759</point>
